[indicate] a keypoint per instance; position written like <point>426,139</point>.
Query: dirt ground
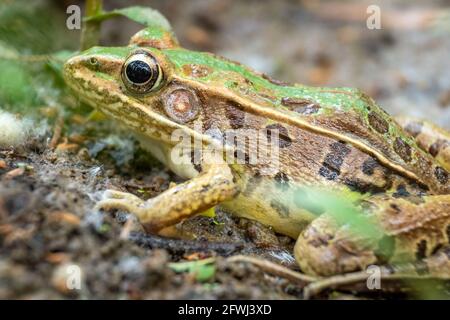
<point>48,188</point>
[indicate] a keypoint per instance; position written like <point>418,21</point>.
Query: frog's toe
<point>116,200</point>
<point>323,249</point>
<point>114,194</point>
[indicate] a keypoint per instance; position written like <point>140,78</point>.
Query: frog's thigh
<point>211,187</point>
<point>430,138</point>
<point>324,249</point>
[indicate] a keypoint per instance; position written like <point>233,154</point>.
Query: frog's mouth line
<point>127,110</point>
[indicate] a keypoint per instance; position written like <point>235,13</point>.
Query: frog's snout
<point>70,67</point>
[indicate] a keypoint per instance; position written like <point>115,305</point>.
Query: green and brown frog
<point>327,138</point>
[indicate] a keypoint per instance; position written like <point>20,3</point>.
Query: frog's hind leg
<point>430,138</point>
<point>409,230</point>
<point>212,186</point>
<point>435,267</point>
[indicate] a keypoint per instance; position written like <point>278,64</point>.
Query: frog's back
<point>343,115</point>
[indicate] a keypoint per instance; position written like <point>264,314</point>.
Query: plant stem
<point>90,34</point>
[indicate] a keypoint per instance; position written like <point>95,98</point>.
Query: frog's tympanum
<point>327,138</point>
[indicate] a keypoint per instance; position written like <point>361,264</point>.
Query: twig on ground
<point>57,130</point>
<point>182,246</point>
<point>275,269</point>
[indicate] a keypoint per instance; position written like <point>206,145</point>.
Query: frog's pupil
<point>138,72</point>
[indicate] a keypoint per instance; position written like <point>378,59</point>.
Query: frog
<point>334,139</point>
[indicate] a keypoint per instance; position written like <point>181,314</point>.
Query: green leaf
<point>145,16</point>
<point>204,270</point>
<point>210,213</point>
<point>204,273</point>
<point>340,206</point>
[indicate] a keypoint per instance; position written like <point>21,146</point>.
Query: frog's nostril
<point>72,62</point>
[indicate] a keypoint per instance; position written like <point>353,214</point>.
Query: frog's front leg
<point>411,231</point>
<point>213,185</point>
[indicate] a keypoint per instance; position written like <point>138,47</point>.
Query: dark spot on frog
<point>196,70</point>
<point>402,149</point>
<point>414,128</point>
<point>413,193</point>
<point>385,249</point>
<point>378,123</point>
<point>395,207</point>
<point>331,166</point>
<point>328,173</point>
<point>363,186</point>
<point>205,188</point>
<point>441,175</point>
<point>279,207</point>
<point>274,81</point>
<point>421,250</point>
<point>368,167</point>
<point>368,206</point>
<point>235,115</point>
<point>248,82</point>
<point>301,106</point>
<point>422,188</point>
<point>282,180</point>
<point>319,239</point>
<point>239,155</point>
<point>252,184</point>
<point>436,249</point>
<point>195,160</point>
<point>437,146</point>
<point>401,192</point>
<point>283,136</point>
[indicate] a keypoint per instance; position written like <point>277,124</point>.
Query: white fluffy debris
<point>15,131</point>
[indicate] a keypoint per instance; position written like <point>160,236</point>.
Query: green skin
<point>96,75</point>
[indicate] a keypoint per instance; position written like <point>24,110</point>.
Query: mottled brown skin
<point>361,149</point>
<point>430,138</point>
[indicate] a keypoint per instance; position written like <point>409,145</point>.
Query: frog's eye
<point>141,73</point>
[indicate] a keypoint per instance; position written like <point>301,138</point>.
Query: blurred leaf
<point>340,206</point>
<point>56,60</point>
<point>35,27</point>
<point>145,16</point>
<point>210,213</point>
<point>15,84</point>
<point>429,289</point>
<point>203,269</point>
